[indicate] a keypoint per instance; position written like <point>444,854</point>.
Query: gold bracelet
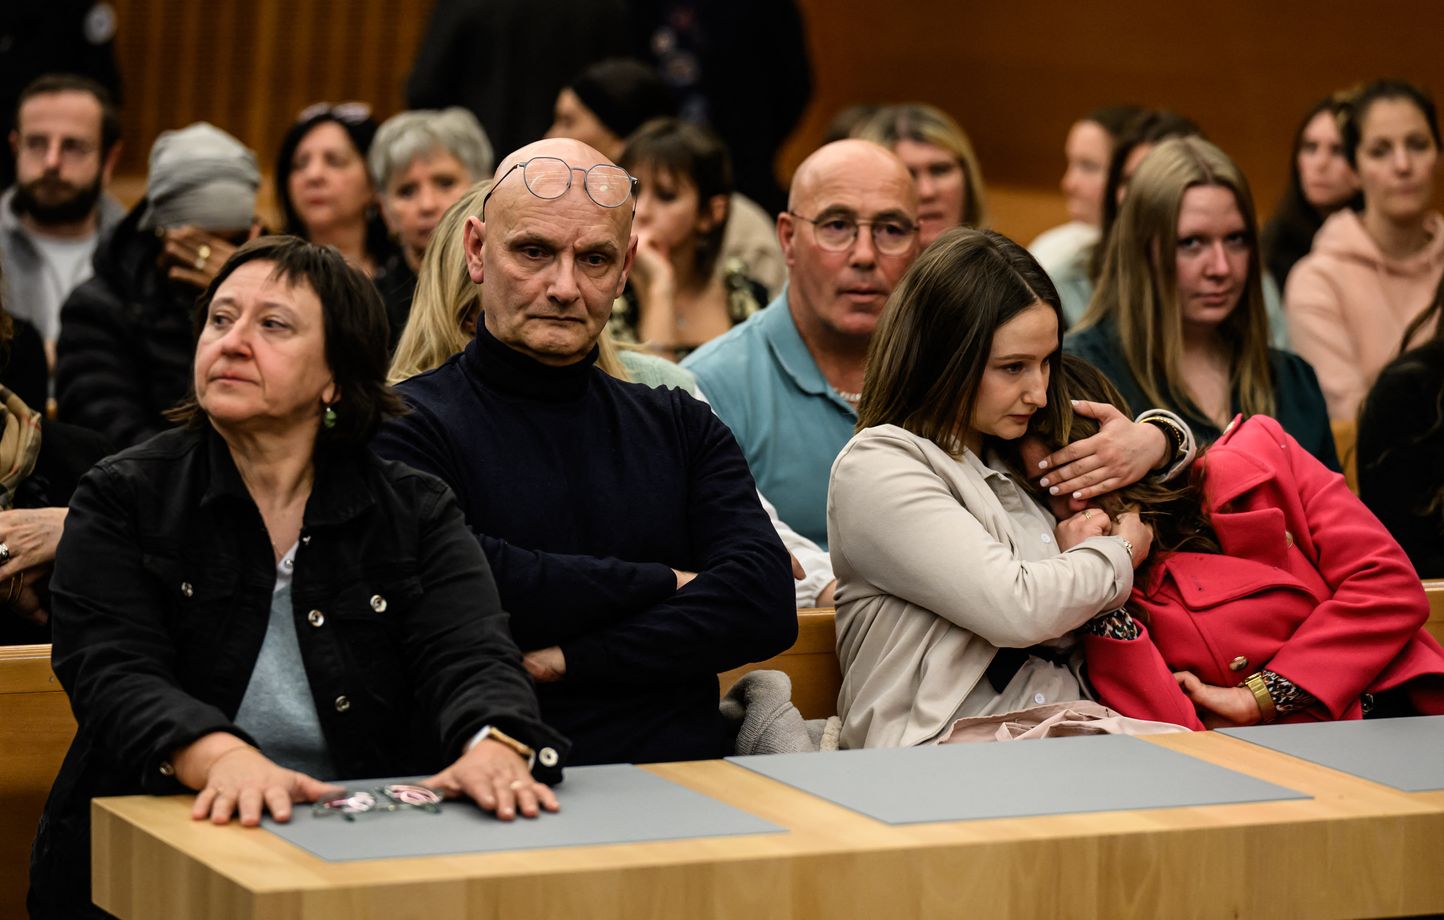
<point>1267,710</point>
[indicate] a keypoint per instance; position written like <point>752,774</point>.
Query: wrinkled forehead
<point>859,191</point>
<point>573,220</point>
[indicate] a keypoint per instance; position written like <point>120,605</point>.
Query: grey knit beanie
<point>202,176</point>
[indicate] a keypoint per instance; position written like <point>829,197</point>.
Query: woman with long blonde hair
<point>1178,318</point>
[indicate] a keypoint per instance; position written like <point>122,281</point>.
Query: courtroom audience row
<point>545,543</point>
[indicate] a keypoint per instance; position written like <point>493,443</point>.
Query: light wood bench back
<point>36,728</point>
<point>817,678</point>
<point>1346,439</point>
<point>811,663</point>
<point>1434,589</point>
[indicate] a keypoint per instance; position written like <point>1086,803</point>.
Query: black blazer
<point>161,597</point>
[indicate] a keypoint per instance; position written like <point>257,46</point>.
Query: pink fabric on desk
<point>1054,720</point>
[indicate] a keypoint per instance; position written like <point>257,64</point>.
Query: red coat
<point>1309,585</point>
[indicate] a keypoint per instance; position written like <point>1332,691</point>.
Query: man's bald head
<point>574,153</point>
<point>856,161</point>
<point>839,293</point>
<point>553,265</point>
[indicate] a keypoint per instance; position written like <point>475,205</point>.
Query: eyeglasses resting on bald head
<point>549,178</point>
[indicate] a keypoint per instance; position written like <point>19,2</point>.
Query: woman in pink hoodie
<point>1372,272</point>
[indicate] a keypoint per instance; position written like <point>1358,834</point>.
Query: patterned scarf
<point>19,446</point>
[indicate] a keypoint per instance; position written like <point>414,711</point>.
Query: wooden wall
<point>1015,74</point>
<point>249,66</point>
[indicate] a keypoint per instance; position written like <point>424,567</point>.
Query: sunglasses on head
<point>352,113</point>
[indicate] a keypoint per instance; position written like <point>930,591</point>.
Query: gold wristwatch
<point>501,737</point>
<point>1260,690</point>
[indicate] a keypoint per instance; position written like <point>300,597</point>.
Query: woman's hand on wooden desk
<point>495,777</point>
<point>235,779</point>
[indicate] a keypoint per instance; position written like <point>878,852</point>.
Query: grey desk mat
<point>1406,753</point>
<point>960,782</point>
<point>617,803</point>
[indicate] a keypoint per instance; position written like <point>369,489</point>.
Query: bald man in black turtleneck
<point>621,522</point>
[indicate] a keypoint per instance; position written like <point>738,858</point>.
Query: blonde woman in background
<point>1178,318</point>
<point>940,158</point>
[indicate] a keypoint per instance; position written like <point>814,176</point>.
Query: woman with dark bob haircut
<point>254,603</point>
<point>677,299</point>
<point>956,591</point>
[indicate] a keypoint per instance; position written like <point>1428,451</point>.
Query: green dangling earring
<point>328,418</point>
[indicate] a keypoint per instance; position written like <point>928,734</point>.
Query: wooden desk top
<point>1355,849</point>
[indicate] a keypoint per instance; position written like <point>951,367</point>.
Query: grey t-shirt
<point>65,266</point>
<point>278,709</point>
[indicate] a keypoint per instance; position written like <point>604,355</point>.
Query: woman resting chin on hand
<point>254,602</point>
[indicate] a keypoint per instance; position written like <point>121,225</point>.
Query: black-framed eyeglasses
<point>549,178</point>
<point>890,235</point>
<point>391,797</point>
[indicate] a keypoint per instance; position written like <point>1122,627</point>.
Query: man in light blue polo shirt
<point>787,381</point>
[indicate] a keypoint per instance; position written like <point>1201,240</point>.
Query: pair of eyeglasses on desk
<point>391,797</point>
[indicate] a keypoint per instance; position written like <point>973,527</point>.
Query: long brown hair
<point>1138,289</point>
<point>933,341</point>
<point>1177,512</point>
<point>1431,505</point>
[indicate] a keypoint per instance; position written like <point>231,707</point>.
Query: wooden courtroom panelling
<point>1354,849</point>
<point>35,731</point>
<point>1434,588</point>
<point>1015,75</point>
<point>251,67</point>
<point>811,663</point>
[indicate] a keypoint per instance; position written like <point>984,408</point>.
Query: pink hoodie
<point>1348,305</point>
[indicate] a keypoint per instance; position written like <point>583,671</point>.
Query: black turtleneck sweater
<point>586,492</point>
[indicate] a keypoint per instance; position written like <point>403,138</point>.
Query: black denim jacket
<point>161,597</point>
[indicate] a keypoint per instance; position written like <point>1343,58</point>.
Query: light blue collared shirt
<point>791,424</point>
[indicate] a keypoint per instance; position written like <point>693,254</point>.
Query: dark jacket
<point>125,348</point>
<point>586,492</point>
<point>1299,403</point>
<point>1401,454</point>
<point>23,369</point>
<point>162,594</point>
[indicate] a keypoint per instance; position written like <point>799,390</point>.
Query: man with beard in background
<point>66,143</point>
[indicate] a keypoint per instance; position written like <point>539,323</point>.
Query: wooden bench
<point>817,678</point>
<point>36,725</point>
<point>35,731</point>
<point>1346,438</point>
<point>811,663</point>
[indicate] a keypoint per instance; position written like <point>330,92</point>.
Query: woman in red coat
<point>1272,593</point>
